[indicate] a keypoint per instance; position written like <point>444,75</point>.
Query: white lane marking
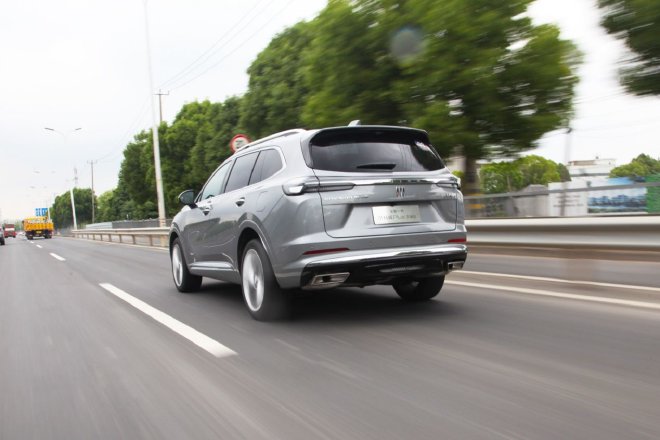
<point>197,338</point>
<point>39,246</point>
<point>598,299</point>
<point>57,257</point>
<point>561,280</point>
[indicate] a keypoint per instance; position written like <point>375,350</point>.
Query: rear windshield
<point>373,152</point>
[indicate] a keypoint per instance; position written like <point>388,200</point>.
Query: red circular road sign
<point>238,141</point>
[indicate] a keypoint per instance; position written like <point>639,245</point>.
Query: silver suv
<point>317,209</point>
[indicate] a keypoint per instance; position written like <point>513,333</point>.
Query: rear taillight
<point>457,240</point>
<point>450,181</point>
<point>301,185</point>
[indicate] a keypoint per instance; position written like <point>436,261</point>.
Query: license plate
<point>386,215</point>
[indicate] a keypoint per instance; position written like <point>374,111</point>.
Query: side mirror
<point>187,198</point>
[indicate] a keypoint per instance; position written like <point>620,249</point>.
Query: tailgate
<point>377,181</point>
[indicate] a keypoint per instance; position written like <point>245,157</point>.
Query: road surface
<point>97,343</point>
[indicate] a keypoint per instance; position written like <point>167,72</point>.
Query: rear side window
<point>240,173</point>
<point>268,163</point>
<point>373,151</point>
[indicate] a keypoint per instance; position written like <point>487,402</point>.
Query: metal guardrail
<point>545,192</point>
<point>143,236</point>
<point>601,233</point>
<point>628,233</point>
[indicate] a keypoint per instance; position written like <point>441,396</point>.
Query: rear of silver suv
<point>349,206</point>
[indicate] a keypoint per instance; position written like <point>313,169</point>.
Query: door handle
<point>240,201</point>
<point>206,209</point>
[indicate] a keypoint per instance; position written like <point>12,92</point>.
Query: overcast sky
<point>79,63</point>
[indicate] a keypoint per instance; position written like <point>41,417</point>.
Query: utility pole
<point>154,130</point>
<point>160,103</point>
<point>91,163</point>
<point>567,159</point>
<point>75,177</point>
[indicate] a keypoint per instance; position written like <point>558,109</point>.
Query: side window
<point>240,173</point>
<point>214,185</point>
<point>269,163</point>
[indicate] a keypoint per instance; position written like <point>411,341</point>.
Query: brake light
<point>325,251</point>
<point>457,240</point>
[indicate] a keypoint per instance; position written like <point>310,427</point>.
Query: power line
<point>213,48</point>
<point>138,119</point>
<point>254,34</point>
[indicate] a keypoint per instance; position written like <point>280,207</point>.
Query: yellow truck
<point>38,227</point>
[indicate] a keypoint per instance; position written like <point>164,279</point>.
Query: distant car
<point>318,209</point>
<point>9,230</point>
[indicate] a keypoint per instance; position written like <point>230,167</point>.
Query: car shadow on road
<point>340,305</point>
<point>369,304</point>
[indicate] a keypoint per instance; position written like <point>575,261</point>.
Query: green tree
<point>637,23</point>
<point>276,92</point>
<point>347,68</point>
<point>136,173</point>
<point>641,166</point>
<point>107,209</point>
<point>501,177</point>
<point>61,214</point>
<point>488,80</point>
<point>212,142</point>
<point>481,76</point>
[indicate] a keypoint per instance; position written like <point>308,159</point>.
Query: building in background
<point>590,169</point>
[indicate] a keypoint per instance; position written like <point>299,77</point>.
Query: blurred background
<point>543,108</point>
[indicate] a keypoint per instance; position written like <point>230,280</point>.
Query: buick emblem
<point>400,191</point>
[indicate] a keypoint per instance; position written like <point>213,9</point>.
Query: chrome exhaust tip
<point>327,281</point>
<point>455,265</point>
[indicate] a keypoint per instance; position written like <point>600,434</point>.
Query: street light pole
<point>91,163</point>
<point>73,200</point>
<point>154,130</point>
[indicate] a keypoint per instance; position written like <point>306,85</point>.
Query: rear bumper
<point>382,266</point>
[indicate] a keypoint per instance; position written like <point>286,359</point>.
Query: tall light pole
<point>567,159</point>
<point>154,130</point>
<point>91,163</point>
<point>73,201</point>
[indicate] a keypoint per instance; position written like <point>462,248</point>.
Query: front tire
<point>421,289</point>
<point>264,298</point>
<point>183,279</point>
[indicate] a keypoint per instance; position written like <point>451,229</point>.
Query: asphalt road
<point>524,357</point>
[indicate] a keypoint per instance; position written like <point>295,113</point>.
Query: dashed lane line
<point>561,280</point>
<point>549,293</point>
<point>39,246</point>
<point>57,257</point>
<point>197,338</point>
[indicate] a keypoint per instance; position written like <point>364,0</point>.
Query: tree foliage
<point>641,166</point>
<point>276,92</point>
<point>502,177</point>
<point>61,213</point>
<point>481,77</point>
<point>637,23</point>
<point>477,75</point>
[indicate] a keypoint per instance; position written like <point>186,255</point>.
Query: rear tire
<point>183,279</point>
<point>264,298</point>
<point>421,289</point>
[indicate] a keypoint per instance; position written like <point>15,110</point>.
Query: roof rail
<point>271,137</point>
